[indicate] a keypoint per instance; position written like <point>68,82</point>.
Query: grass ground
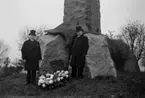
<point>124,86</point>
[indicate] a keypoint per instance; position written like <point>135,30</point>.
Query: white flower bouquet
<point>57,79</point>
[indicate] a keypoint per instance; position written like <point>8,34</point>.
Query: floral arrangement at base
<point>50,81</point>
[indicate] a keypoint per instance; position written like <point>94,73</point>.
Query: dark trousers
<point>31,76</point>
<point>77,72</point>
<point>78,64</point>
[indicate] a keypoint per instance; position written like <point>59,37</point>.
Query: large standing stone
<point>98,59</point>
<point>141,64</point>
<point>131,64</point>
<point>86,12</point>
<point>44,40</point>
<point>123,57</point>
<point>54,53</point>
<point>66,30</point>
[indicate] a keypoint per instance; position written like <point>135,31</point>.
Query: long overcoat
<point>31,52</point>
<point>79,51</point>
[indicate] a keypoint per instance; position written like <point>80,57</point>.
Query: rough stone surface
<point>66,30</point>
<point>141,64</point>
<point>44,40</point>
<point>86,12</point>
<point>123,57</point>
<point>131,64</point>
<point>53,53</point>
<point>98,59</point>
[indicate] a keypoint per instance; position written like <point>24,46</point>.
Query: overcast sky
<point>17,14</point>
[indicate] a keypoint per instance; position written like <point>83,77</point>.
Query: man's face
<point>32,37</point>
<point>79,33</point>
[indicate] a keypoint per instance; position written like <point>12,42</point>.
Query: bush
<point>6,71</point>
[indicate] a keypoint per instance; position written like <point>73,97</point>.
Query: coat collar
<point>31,41</point>
<point>80,36</point>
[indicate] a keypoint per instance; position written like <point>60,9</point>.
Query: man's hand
<point>40,61</point>
<point>24,61</point>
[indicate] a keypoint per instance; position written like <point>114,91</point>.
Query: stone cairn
<point>85,13</point>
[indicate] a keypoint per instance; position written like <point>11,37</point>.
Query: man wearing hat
<point>78,53</point>
<point>31,54</point>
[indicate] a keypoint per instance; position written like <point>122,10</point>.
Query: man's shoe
<point>73,76</point>
<point>81,77</point>
<point>34,83</point>
<point>26,83</point>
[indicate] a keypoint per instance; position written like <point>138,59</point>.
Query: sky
<point>18,14</point>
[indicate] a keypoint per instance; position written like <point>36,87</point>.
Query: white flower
<point>60,74</point>
<point>62,71</point>
<point>58,79</point>
<point>42,77</point>
<point>41,81</point>
<point>66,76</point>
<point>63,75</point>
<point>50,76</point>
<point>43,85</point>
<point>58,71</point>
<point>51,81</point>
<point>61,78</point>
<point>66,72</point>
<point>54,73</point>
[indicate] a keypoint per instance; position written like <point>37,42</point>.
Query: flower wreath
<point>54,80</point>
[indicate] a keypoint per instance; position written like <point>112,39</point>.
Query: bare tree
<point>3,50</point>
<point>134,35</point>
<point>111,34</point>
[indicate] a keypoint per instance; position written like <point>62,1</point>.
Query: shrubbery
<point>6,71</point>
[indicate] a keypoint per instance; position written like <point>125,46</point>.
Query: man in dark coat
<point>31,54</point>
<point>78,53</point>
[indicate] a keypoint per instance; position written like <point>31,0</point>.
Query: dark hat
<point>79,28</point>
<point>32,32</point>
